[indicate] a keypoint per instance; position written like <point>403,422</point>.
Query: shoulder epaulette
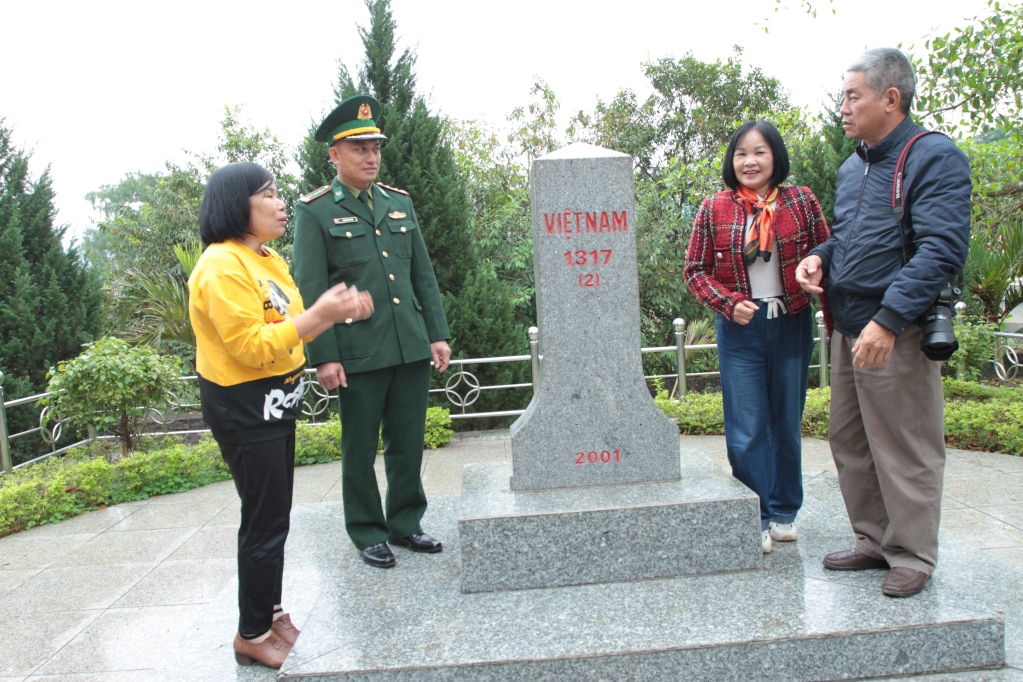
<point>393,189</point>
<point>315,194</point>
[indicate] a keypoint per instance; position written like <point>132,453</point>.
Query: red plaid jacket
<point>715,271</point>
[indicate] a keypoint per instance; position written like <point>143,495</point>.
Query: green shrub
<point>318,443</point>
<point>111,387</point>
<point>977,417</point>
<point>817,413</point>
<point>976,350</point>
<point>321,443</point>
<point>696,413</point>
<point>960,391</point>
<point>988,418</point>
<point>438,427</point>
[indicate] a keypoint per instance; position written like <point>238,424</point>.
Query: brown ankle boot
<point>285,629</point>
<point>271,652</point>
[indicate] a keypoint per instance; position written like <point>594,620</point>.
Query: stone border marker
<point>592,420</point>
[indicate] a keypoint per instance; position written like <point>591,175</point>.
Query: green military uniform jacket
<point>337,239</point>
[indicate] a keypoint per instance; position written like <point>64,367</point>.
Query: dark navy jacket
<point>867,277</point>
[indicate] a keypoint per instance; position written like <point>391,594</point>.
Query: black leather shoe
<point>378,555</point>
<point>418,542</point>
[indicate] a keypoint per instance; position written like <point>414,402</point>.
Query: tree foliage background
<point>470,184</point>
<point>50,301</point>
<point>419,158</point>
<point>971,87</point>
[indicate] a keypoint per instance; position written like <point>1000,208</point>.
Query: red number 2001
<point>594,457</point>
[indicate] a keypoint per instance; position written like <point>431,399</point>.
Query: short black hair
<point>774,141</point>
<point>224,213</point>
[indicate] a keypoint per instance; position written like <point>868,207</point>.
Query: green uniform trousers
<point>392,399</point>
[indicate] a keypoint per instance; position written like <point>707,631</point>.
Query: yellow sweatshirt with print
<point>249,356</point>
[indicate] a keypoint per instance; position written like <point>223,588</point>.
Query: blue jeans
<point>764,368</point>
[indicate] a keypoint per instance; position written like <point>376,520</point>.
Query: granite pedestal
<point>707,522</point>
<point>790,620</point>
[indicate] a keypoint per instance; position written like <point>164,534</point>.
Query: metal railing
<point>461,390</point>
<point>1006,360</point>
<point>682,351</point>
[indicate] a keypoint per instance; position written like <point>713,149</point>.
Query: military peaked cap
<point>353,119</point>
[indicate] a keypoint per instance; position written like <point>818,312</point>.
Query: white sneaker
<point>782,532</point>
<point>765,542</point>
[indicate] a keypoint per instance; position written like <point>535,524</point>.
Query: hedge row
<point>977,417</point>
<point>95,476</point>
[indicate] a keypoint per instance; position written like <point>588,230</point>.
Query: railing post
<point>534,356</point>
<point>680,353</point>
<point>960,310</point>
<point>822,331</point>
<point>6,466</point>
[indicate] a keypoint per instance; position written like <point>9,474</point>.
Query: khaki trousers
<point>887,437</point>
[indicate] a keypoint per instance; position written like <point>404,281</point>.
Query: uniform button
<point>396,301</point>
<point>378,233</point>
<point>348,234</point>
<point>390,277</point>
<point>385,254</point>
<point>402,228</point>
<point>348,321</point>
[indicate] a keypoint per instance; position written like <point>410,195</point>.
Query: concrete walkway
<point>117,593</point>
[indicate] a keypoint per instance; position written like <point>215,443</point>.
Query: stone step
<point>787,621</point>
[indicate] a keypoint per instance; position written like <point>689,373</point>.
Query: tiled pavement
<point>113,594</point>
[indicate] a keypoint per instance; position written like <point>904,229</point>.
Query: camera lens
<point>939,339</point>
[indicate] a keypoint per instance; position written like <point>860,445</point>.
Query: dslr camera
<point>939,337</point>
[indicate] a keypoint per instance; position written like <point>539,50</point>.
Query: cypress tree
<point>419,160</point>
<point>51,302</point>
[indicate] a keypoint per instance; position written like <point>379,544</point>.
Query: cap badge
<point>364,113</point>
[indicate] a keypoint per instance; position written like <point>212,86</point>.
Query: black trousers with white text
<point>264,475</point>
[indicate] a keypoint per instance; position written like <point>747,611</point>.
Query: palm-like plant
<point>994,270</point>
<point>152,307</point>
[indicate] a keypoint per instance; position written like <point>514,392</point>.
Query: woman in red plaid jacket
<point>741,263</point>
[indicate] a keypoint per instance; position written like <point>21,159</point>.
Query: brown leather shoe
<point>271,652</point>
<point>285,629</point>
<point>852,560</point>
<point>903,582</point>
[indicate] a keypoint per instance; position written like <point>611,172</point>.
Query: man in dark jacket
<point>887,407</point>
<point>367,235</point>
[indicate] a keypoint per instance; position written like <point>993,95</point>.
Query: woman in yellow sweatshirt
<point>249,324</point>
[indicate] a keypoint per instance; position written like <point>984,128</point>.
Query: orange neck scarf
<point>760,234</point>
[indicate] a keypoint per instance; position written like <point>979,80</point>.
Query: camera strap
<point>899,190</point>
<point>899,201</point>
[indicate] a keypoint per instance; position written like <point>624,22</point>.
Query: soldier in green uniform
<point>366,235</point>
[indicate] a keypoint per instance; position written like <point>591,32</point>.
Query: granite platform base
<point>707,522</point>
<point>789,620</point>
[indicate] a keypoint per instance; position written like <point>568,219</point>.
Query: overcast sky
<point>97,89</point>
